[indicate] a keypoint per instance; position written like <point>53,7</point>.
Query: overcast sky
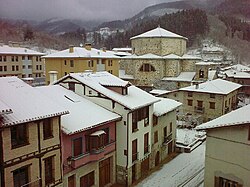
<point>83,9</point>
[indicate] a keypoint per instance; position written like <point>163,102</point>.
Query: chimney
<point>88,46</point>
<point>71,49</point>
<point>52,76</point>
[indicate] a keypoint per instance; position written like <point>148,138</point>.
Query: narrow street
<point>186,170</point>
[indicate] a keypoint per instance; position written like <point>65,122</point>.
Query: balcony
<point>92,155</point>
<point>199,109</point>
<point>167,139</point>
<point>134,156</point>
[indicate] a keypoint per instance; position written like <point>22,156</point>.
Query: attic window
<point>147,68</point>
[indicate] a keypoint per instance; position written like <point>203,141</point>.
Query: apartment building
<point>79,59</point>
<point>30,146</point>
<point>227,161</point>
<point>88,139</point>
<point>133,104</point>
<point>163,130</point>
<point>208,100</point>
<point>21,62</point>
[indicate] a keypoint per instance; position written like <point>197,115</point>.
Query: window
<point>12,58</point>
<point>212,105</point>
<point>17,68</point>
<point>47,129</point>
<point>29,66</point>
<point>134,150</point>
<point>23,57</point>
<point>71,181</point>
<point>212,95</point>
<point>41,67</point>
<point>29,57</point>
<point>65,62</point>
<point>21,176</point>
<point>37,58</point>
<point>13,68</point>
<point>65,73</point>
<point>5,68</point>
<point>190,102</point>
<point>200,104</point>
<point>201,74</point>
<point>190,94</point>
<point>16,58</point>
<point>49,170</point>
<point>138,115</point>
<point>155,120</point>
<point>88,180</point>
<point>72,86</point>
<point>4,58</point>
<point>37,67</point>
<point>19,135</point>
<point>110,71</point>
<point>147,68</point>
<point>110,63</point>
<point>91,63</point>
<point>77,147</point>
<point>222,182</point>
<point>0,58</point>
<point>165,131</point>
<point>155,136</point>
<point>1,68</point>
<point>72,63</point>
<point>146,145</point>
<point>23,66</point>
<point>226,103</point>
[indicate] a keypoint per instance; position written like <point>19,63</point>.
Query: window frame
<point>21,135</point>
<point>48,128</point>
<point>49,168</point>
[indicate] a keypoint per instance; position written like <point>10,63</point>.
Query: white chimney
<point>52,76</point>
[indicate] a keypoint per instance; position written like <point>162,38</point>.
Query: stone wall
<point>159,46</point>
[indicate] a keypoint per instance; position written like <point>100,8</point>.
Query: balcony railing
<point>199,109</point>
<point>167,139</point>
<point>134,157</point>
<point>36,183</point>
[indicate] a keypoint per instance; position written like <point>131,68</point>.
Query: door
<point>145,166</point>
<point>133,173</point>
<point>170,147</point>
<point>157,158</point>
<point>104,172</point>
<point>71,181</point>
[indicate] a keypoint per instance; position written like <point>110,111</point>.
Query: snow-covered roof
<point>159,92</point>
<point>237,67</point>
<point>26,102</point>
<point>212,49</point>
<point>190,57</point>
<point>80,109</point>
<point>81,52</point>
<point>217,86</point>
<point>167,57</point>
<point>122,49</point>
<point>207,63</point>
<point>183,77</point>
<point>5,49</point>
<point>136,98</point>
<point>237,74</point>
<point>158,32</point>
<point>172,56</point>
<point>165,105</point>
<point>123,75</point>
<point>4,108</point>
<point>240,116</point>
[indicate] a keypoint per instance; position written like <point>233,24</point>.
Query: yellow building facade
<point>80,59</point>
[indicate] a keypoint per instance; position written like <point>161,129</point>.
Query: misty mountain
<point>148,13</point>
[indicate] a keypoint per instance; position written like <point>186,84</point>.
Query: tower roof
<point>158,33</point>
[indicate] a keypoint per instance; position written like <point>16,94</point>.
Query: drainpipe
<point>2,179</point>
<point>127,146</point>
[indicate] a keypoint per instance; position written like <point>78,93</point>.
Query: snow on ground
<point>187,169</point>
<point>187,136</point>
